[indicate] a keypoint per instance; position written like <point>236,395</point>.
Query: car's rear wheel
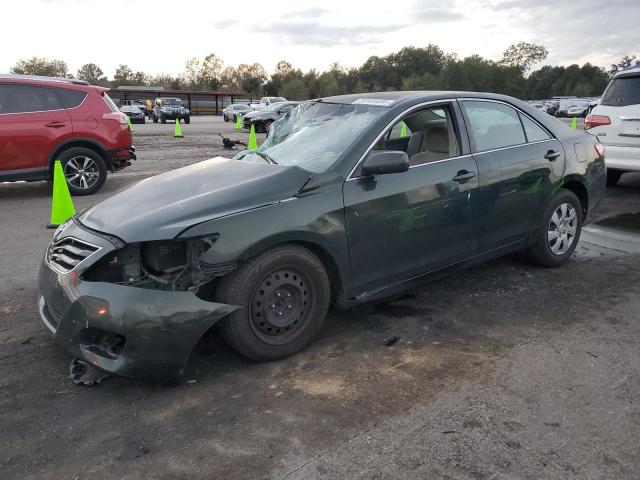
<point>284,294</point>
<point>613,177</point>
<point>155,119</point>
<point>84,170</point>
<point>559,230</point>
<point>163,118</point>
<point>187,120</point>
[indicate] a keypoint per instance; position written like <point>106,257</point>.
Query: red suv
<point>45,119</point>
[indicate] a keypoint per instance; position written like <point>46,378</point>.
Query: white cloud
<point>158,36</point>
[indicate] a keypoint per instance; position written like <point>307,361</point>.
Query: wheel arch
<point>578,187</point>
<point>80,142</point>
<point>338,275</point>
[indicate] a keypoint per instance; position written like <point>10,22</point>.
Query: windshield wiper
<point>266,157</point>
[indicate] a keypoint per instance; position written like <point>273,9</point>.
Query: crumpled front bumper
<point>127,331</point>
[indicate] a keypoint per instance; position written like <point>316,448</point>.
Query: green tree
<point>92,73</point>
<point>251,77</point>
<point>524,55</point>
<point>123,75</point>
<point>624,63</point>
<point>294,89</point>
<point>40,66</point>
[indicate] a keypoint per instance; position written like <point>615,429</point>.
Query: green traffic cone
<point>62,208</point>
<point>238,122</point>
<point>129,122</point>
<point>252,145</point>
<point>574,123</point>
<point>403,131</point>
<point>178,132</point>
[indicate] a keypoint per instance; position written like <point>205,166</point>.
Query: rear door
<point>518,162</point>
<point>32,122</point>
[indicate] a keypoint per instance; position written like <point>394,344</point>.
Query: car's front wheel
<point>284,294</point>
<point>559,230</point>
<point>84,170</point>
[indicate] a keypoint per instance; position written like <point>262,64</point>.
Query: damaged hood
<point>161,207</point>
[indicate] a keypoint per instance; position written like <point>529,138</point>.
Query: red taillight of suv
<point>120,117</point>
<point>600,151</point>
<point>596,121</point>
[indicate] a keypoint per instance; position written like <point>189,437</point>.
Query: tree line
<point>410,68</point>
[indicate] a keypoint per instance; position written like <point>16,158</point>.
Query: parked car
<point>616,122</point>
<point>262,119</point>
<point>578,110</point>
<point>45,119</point>
<point>169,108</point>
<point>337,205</point>
<point>230,112</point>
<point>265,102</point>
<point>134,113</point>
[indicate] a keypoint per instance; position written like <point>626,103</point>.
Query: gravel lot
<point>505,371</point>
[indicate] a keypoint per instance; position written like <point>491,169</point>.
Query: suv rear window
<point>110,103</point>
<point>622,92</point>
<point>27,98</point>
<point>70,98</point>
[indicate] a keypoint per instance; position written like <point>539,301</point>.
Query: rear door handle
<point>55,125</point>
<point>551,155</point>
<point>463,176</point>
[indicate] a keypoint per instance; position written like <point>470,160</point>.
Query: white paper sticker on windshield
<point>373,101</point>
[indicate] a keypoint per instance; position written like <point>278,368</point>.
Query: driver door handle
<point>463,176</point>
<point>552,155</point>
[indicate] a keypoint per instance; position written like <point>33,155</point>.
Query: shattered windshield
<point>314,135</point>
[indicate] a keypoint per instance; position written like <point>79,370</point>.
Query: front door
<point>405,224</point>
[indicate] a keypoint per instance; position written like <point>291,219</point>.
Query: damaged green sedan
<point>350,198</point>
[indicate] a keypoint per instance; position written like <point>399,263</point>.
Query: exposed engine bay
<point>174,265</point>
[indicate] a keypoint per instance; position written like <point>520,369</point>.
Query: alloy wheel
<point>81,172</point>
<point>562,229</point>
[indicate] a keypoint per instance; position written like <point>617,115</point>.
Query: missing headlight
<point>162,265</point>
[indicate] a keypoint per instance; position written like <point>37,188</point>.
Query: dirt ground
<point>504,371</point>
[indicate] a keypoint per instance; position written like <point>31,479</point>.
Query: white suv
<point>616,122</point>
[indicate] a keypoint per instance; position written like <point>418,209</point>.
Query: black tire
<point>266,126</point>
<point>613,177</point>
<point>100,168</point>
<point>163,118</point>
<point>541,249</point>
<point>284,293</point>
<point>224,117</point>
<point>187,120</point>
<point>155,119</point>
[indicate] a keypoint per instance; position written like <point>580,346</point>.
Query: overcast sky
<point>158,36</point>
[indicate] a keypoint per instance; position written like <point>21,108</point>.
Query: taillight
<point>596,121</point>
<point>118,116</point>
<point>600,151</point>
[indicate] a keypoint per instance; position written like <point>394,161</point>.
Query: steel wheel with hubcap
<point>558,232</point>
<point>284,295</point>
<point>562,229</point>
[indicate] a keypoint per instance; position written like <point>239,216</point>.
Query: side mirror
<point>380,162</point>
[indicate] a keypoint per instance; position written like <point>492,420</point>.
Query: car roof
<point>71,83</point>
<point>629,72</point>
<point>389,99</point>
